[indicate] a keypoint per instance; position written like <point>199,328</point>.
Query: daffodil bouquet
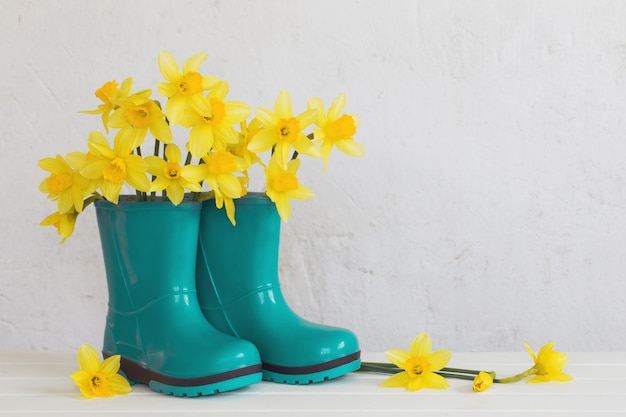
<point>223,144</point>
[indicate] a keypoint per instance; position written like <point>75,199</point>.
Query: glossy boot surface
<point>154,320</point>
<point>239,292</point>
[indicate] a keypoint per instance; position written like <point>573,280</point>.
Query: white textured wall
<point>489,209</point>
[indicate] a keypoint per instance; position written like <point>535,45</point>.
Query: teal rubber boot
<point>154,320</point>
<point>239,293</point>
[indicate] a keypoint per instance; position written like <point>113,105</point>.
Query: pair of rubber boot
<point>195,305</point>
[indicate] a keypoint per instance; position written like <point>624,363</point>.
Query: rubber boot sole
<point>189,387</point>
<point>303,375</point>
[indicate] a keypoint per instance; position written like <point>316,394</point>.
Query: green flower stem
<point>378,367</point>
<point>518,377</point>
<point>141,196</point>
<point>195,195</point>
<point>157,146</point>
<point>93,197</point>
<point>457,376</point>
<point>461,371</point>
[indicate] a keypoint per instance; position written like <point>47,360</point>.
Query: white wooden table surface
<point>37,383</point>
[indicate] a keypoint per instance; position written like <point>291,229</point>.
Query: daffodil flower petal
<point>99,146</point>
<point>111,191</point>
<point>305,146</point>
<point>282,106</point>
<point>175,192</point>
<point>156,165</point>
<point>167,89</point>
<point>159,184</point>
<point>161,130</point>
<point>530,351</point>
<point>265,117</point>
<point>421,345</point>
<point>93,168</point>
<point>397,356</point>
<point>168,66</point>
<point>175,108</point>
<point>200,104</point>
<point>111,364</point>
<point>350,147</point>
<point>192,173</point>
<point>316,103</point>
<point>398,380</point>
<point>262,141</point>
<point>301,193</point>
<point>307,117</point>
<point>172,153</point>
<point>88,359</point>
<point>439,359</point>
<point>434,381</point>
<point>192,64</point>
<point>200,140</point>
<point>336,107</point>
<point>118,385</point>
<point>229,185</point>
<point>209,82</point>
<point>283,206</point>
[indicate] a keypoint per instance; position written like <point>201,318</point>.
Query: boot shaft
<point>149,250</point>
<point>242,258</point>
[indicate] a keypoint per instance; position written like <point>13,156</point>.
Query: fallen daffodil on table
<point>482,381</point>
<point>99,379</point>
<point>419,368</point>
<point>548,366</point>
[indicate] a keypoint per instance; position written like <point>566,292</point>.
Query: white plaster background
<point>489,209</point>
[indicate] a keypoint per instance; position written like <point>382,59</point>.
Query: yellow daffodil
<point>64,223</point>
<point>246,134</point>
<point>482,381</point>
<point>282,185</point>
<point>65,184</point>
<point>136,115</point>
<point>113,167</point>
<point>106,93</point>
<point>172,177</point>
<point>184,89</point>
<point>215,131</point>
<point>418,364</point>
<point>219,168</point>
<point>283,131</point>
<point>221,200</point>
<point>335,129</point>
<point>197,102</point>
<point>548,364</point>
<point>99,379</point>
